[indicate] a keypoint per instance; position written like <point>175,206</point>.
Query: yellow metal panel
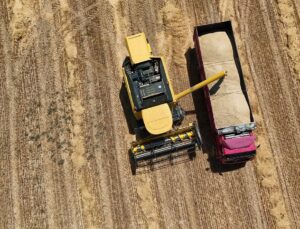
<point>138,48</point>
<point>158,119</point>
<point>169,134</point>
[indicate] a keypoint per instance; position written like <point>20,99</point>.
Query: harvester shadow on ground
<point>208,146</point>
<point>130,120</point>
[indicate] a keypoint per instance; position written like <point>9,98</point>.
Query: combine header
<point>155,106</point>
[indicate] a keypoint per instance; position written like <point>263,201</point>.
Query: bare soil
<point>64,135</point>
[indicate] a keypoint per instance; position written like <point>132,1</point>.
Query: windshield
<point>240,156</point>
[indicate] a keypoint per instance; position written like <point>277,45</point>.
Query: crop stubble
<point>64,137</point>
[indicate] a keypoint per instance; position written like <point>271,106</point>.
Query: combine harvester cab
<point>227,100</point>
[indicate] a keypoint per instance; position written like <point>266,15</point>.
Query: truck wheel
<point>178,115</point>
<point>198,135</point>
<point>133,163</point>
<point>140,130</point>
<point>192,153</point>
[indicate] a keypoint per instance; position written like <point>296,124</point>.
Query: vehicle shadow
<point>129,116</point>
<point>214,89</point>
<point>202,116</point>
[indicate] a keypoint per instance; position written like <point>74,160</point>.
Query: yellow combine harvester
<point>154,104</point>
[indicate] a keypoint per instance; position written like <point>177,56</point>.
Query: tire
<point>198,135</point>
<point>133,163</point>
<point>178,115</point>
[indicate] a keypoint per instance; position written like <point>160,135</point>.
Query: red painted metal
<point>238,144</point>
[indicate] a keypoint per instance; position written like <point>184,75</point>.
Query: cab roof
<point>138,48</point>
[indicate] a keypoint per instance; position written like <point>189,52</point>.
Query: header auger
<point>155,105</point>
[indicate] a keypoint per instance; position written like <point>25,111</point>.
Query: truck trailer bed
<point>229,105</point>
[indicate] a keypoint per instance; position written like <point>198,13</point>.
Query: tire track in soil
<point>62,204</point>
<point>249,181</point>
<point>265,166</point>
<point>112,151</point>
<point>77,139</point>
<point>145,201</point>
<point>245,179</point>
<point>173,209</point>
<point>133,214</point>
<point>146,184</point>
<point>8,191</point>
<point>45,148</point>
<point>289,29</point>
<point>103,205</point>
<point>155,213</point>
<point>277,112</point>
<point>297,7</point>
<point>106,76</point>
<point>178,196</point>
<point>98,114</point>
<point>285,107</point>
<point>103,191</point>
<point>287,16</point>
<point>15,189</point>
<point>288,22</point>
<point>174,39</point>
<point>25,109</point>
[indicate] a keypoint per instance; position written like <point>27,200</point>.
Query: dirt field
<point>64,136</point>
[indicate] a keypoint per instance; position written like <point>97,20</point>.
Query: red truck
<point>227,100</point>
